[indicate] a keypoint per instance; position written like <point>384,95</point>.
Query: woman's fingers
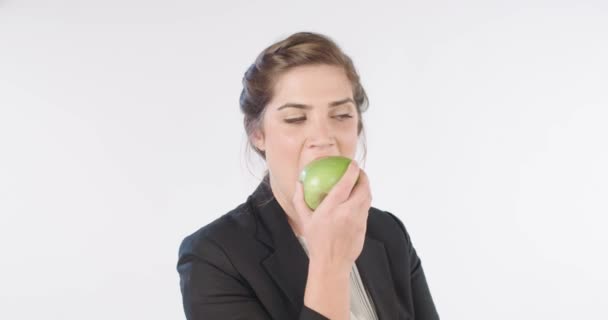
<point>361,196</point>
<point>362,190</point>
<point>341,191</point>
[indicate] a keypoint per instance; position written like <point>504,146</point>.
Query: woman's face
<point>311,115</point>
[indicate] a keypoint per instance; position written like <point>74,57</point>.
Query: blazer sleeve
<point>213,289</point>
<point>424,307</point>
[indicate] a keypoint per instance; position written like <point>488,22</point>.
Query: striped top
<point>361,305</point>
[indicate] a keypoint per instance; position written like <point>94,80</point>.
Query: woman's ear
<point>257,138</point>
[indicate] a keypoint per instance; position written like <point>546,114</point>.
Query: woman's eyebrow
<point>305,106</point>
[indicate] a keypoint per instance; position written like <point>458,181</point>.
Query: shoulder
<point>235,224</point>
<point>386,227</point>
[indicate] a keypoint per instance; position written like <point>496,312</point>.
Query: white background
<point>120,133</point>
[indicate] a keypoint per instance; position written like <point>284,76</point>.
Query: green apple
<point>320,176</point>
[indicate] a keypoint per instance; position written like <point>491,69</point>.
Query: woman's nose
<point>321,133</point>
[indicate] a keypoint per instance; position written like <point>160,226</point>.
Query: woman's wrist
<point>328,290</point>
<point>327,269</point>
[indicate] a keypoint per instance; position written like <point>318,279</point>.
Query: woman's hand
<point>335,231</point>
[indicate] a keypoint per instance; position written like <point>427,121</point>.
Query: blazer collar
<point>287,265</point>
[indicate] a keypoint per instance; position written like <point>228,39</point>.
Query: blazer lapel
<point>376,276</point>
<point>287,265</point>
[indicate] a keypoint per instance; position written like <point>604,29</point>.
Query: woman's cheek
<point>291,141</point>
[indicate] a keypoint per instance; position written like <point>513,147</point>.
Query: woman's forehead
<point>311,86</point>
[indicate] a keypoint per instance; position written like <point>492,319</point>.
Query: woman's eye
<point>340,117</point>
<point>295,120</point>
<point>344,116</point>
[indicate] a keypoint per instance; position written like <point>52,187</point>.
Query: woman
<point>271,257</point>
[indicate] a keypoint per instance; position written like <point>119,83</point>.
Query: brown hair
<point>302,48</point>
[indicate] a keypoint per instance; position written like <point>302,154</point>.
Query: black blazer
<point>248,264</point>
